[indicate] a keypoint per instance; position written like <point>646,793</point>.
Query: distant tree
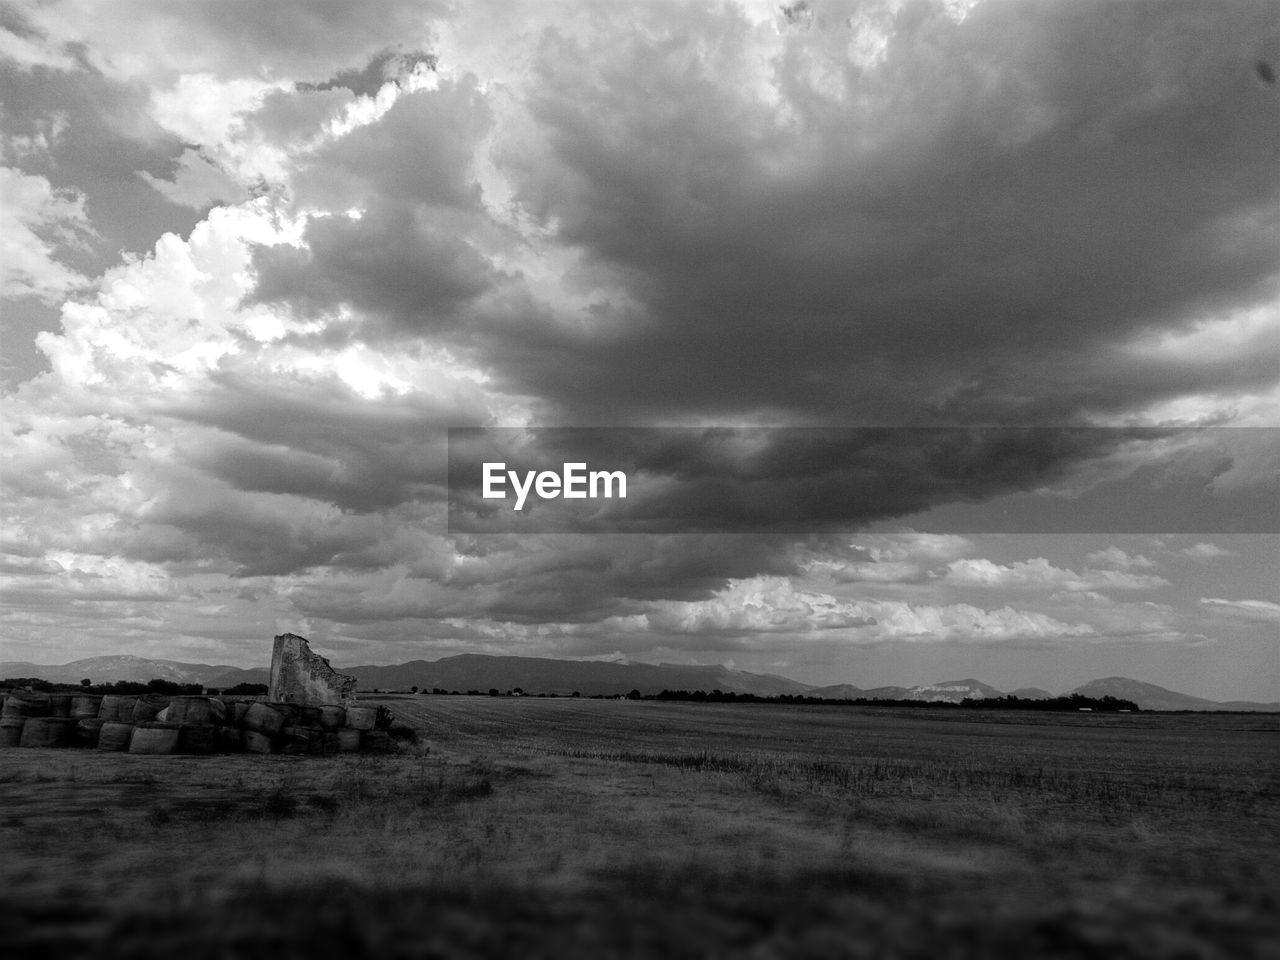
<point>414,688</point>
<point>172,688</point>
<point>247,690</point>
<point>575,694</point>
<point>493,691</point>
<point>86,683</point>
<point>633,695</point>
<point>34,684</point>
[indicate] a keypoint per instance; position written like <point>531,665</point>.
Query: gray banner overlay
<point>819,480</point>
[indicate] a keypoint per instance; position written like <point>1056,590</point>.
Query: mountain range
<point>471,671</point>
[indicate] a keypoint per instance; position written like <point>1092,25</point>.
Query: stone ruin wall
<point>300,676</point>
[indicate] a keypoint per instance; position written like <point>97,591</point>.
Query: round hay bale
<point>218,710</point>
<point>11,731</point>
<point>126,709</point>
<point>109,708</point>
<point>324,744</point>
<point>348,739</point>
<point>228,739</point>
<point>47,732</point>
<point>255,741</point>
<point>238,709</point>
<point>294,740</point>
<point>361,718</point>
<point>291,712</point>
<point>195,711</point>
<point>375,741</point>
<point>115,735</point>
<point>154,737</point>
<point>24,703</point>
<point>200,739</point>
<point>333,716</point>
<point>148,707</point>
<point>310,716</point>
<point>263,719</point>
<point>59,704</point>
<point>85,706</point>
<point>88,730</point>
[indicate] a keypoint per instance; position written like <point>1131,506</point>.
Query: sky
<point>941,337</point>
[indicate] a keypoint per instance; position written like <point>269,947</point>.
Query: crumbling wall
<point>302,677</point>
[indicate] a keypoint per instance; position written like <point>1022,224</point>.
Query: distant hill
<point>953,691</point>
<point>1148,696</point>
<point>472,671</point>
<point>836,691</point>
<point>1031,693</point>
<point>847,691</point>
<point>945,691</point>
<point>236,676</point>
<point>123,667</point>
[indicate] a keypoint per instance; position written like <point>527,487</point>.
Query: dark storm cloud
<point>409,260</point>
<point>96,137</point>
<point>261,537</point>
<point>286,115</point>
<point>368,80</point>
<point>970,231</point>
<point>1027,189</point>
<point>389,263</point>
<point>564,579</point>
<point>287,437</point>
<point>419,152</point>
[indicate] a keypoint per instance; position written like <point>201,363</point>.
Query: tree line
<point>1074,701</point>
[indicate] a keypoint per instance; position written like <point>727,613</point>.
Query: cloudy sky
<point>906,283</point>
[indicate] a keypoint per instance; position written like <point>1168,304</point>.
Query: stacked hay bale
<point>157,725</point>
<point>20,706</point>
<point>269,727</point>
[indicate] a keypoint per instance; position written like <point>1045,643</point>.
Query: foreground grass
<point>557,829</point>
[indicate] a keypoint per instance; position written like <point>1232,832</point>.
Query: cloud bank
<point>270,254</point>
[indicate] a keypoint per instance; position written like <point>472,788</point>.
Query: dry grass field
<point>551,828</point>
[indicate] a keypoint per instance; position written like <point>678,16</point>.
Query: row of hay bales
<point>155,724</point>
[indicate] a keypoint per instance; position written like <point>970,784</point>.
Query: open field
<point>614,828</point>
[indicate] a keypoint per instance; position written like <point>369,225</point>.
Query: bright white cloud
<point>774,605</point>
<point>1206,551</point>
<point>1262,610</point>
<point>37,224</point>
<point>198,183</point>
<point>1117,559</point>
<point>898,620</point>
<point>1039,573</point>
